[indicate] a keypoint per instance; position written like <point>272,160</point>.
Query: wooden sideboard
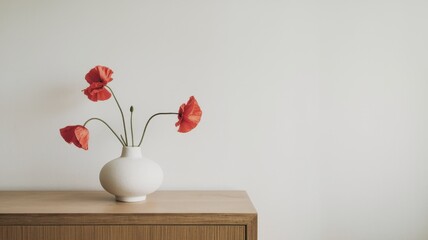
<point>165,215</point>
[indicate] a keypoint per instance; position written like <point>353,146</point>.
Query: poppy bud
<point>131,109</point>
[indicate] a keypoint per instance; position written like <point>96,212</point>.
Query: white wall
<point>317,108</point>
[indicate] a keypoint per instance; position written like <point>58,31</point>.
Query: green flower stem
<point>132,128</point>
<point>99,119</point>
<point>148,121</point>
<point>121,112</point>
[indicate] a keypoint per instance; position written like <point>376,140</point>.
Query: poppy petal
<point>180,114</point>
<point>189,115</point>
<point>77,134</point>
<point>186,127</point>
<point>105,74</point>
<point>92,76</point>
<point>67,133</point>
<point>82,137</point>
<point>97,92</point>
<point>99,74</point>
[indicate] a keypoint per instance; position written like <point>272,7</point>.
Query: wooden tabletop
<point>169,202</point>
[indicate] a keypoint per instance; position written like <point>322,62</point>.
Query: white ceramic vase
<point>131,176</point>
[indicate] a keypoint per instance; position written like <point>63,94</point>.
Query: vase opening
<point>131,152</point>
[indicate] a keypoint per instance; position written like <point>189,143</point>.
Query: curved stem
<point>121,112</point>
<point>148,121</point>
<point>99,119</point>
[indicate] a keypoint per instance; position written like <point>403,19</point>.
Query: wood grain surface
<point>102,202</point>
<point>132,232</point>
<point>165,215</point>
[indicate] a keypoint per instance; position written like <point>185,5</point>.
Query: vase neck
<point>131,152</point>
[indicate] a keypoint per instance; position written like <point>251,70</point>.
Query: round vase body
<point>131,176</point>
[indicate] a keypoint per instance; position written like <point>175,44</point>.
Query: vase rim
<point>131,151</point>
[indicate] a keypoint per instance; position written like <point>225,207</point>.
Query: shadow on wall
<point>51,99</point>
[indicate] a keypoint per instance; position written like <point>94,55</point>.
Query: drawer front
<point>124,232</point>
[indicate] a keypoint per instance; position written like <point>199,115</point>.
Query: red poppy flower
<point>97,92</point>
<point>78,135</point>
<point>189,115</point>
<point>98,77</point>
